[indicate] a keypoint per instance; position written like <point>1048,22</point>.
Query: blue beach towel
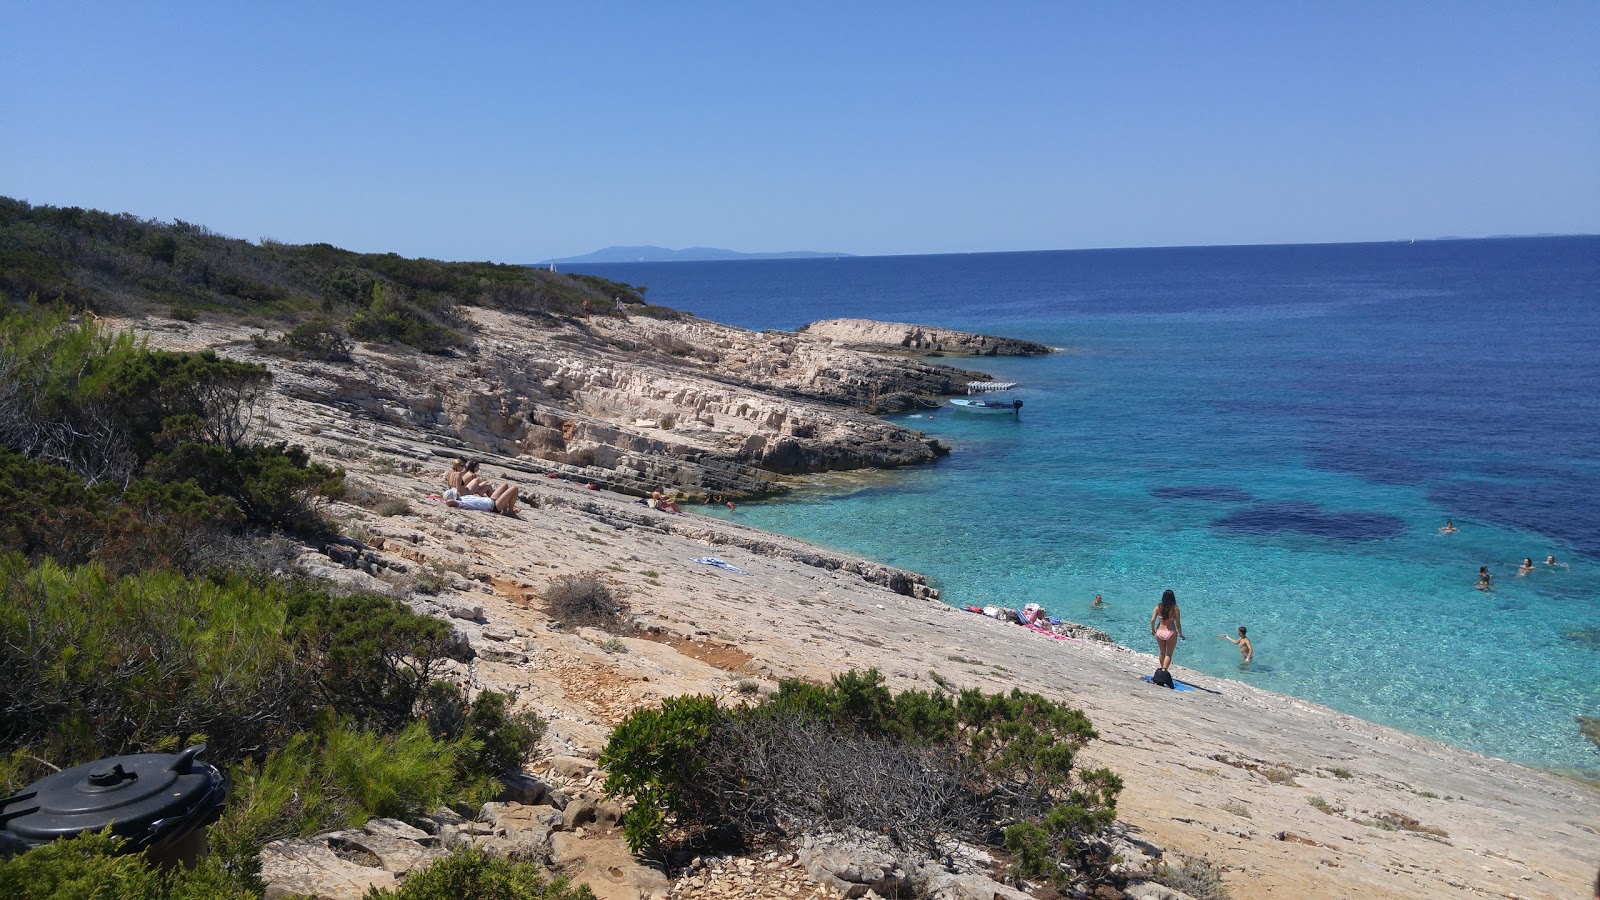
<point>1176,685</point>
<point>713,561</point>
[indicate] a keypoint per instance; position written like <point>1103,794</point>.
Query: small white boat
<point>980,398</point>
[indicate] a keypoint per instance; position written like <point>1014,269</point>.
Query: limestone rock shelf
<point>630,403</point>
<point>899,337</point>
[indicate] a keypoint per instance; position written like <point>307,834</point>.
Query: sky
<point>518,132</point>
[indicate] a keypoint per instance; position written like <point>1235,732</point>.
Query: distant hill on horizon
<point>687,254</point>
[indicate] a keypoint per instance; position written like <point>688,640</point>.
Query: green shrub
<point>394,776</point>
<point>25,274</point>
<point>286,794</point>
<point>46,511</point>
<point>918,767</point>
<point>373,657</point>
<point>507,738</point>
<point>473,873</point>
<point>99,666</point>
<point>652,756</point>
<point>274,485</point>
<point>499,739</point>
<point>339,776</point>
<point>391,316</point>
<point>318,340</point>
<point>88,866</point>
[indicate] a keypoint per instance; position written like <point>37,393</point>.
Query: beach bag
<point>1163,678</point>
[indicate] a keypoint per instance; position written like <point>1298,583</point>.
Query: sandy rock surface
<point>1292,799</point>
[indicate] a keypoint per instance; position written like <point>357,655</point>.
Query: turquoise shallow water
<point>1274,433</point>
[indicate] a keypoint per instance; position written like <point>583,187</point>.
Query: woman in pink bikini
<point>1166,624</point>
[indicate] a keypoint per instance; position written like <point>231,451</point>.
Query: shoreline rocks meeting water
<point>1288,798</point>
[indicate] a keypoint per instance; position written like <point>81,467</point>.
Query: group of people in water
<point>1166,622</point>
<point>1485,580</point>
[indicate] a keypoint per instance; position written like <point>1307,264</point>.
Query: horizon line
<point>837,255</point>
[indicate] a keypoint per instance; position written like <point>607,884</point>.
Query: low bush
<point>274,485</point>
<point>654,756</point>
<point>373,657</point>
<point>89,866</point>
<point>922,768</point>
<point>1197,878</point>
<point>338,776</point>
<point>473,873</point>
<point>318,340</point>
<point>48,512</point>
<point>99,666</point>
<point>394,776</point>
<point>393,316</point>
<point>393,506</point>
<point>500,739</point>
<point>583,600</point>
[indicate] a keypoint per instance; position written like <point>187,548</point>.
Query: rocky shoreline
<point>900,337</point>
<point>1289,798</point>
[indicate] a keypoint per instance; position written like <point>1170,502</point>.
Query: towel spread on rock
<point>713,561</point>
<point>1176,685</point>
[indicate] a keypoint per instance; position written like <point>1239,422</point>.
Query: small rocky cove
<point>586,416</point>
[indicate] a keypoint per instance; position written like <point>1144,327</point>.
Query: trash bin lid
<point>143,796</point>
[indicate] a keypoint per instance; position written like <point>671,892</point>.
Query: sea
<point>1275,433</point>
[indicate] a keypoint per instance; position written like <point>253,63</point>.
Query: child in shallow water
<point>1245,650</point>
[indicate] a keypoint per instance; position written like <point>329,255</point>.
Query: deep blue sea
<point>1276,433</point>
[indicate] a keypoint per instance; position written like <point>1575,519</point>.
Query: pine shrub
<point>90,866</point>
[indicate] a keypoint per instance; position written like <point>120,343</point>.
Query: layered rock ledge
<point>899,337</point>
<point>633,404</point>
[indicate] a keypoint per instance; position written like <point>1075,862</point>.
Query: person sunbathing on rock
<point>502,500</point>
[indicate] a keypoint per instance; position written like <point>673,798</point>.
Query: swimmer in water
<point>1484,579</point>
<point>1245,650</point>
<point>1526,568</point>
<point>1098,603</point>
<point>1449,527</point>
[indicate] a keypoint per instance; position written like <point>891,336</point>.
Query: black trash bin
<point>160,803</point>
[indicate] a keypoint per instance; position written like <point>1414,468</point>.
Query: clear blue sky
<point>516,132</point>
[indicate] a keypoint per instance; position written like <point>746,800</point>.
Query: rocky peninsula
<point>1290,799</point>
<point>890,337</point>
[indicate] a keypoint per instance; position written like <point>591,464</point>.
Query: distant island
<point>687,254</point>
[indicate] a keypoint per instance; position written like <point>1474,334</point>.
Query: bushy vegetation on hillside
<point>138,458</point>
<point>119,263</point>
<point>925,769</point>
<point>132,499</point>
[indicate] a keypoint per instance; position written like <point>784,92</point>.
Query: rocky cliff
<point>632,403</point>
<point>898,337</point>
